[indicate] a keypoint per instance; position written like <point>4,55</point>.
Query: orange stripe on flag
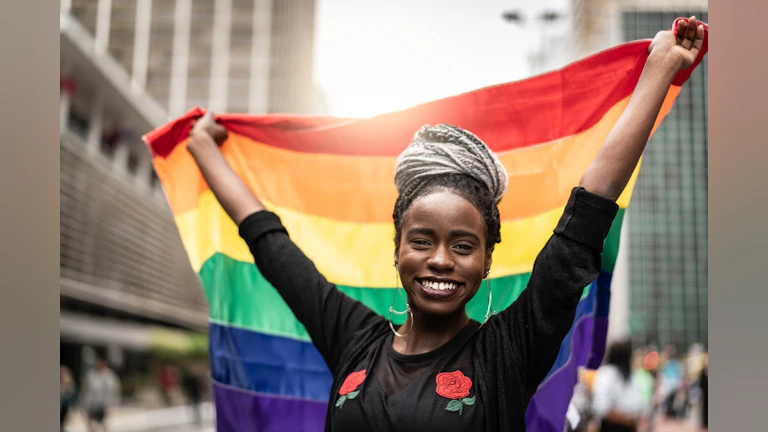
<point>361,188</point>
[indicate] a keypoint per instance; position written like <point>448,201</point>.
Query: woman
<point>440,370</point>
<point>619,399</point>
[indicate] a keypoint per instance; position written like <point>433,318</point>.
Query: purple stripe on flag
<point>546,411</point>
<point>240,411</point>
<point>602,308</point>
<point>600,331</point>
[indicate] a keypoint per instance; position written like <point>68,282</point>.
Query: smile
<point>442,286</point>
<point>437,289</point>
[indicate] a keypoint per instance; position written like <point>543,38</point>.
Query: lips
<point>438,288</point>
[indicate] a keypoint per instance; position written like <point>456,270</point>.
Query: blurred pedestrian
<point>645,379</point>
<point>671,379</point>
<point>579,413</point>
<point>619,401</point>
<point>192,383</point>
<point>67,393</point>
<point>168,381</point>
<point>101,393</point>
<point>704,398</point>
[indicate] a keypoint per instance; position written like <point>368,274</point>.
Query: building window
<point>668,247</point>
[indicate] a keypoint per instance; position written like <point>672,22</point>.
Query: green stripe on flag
<point>229,284</point>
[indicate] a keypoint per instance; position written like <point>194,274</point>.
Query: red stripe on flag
<point>508,116</point>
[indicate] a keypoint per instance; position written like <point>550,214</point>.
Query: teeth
<point>441,286</point>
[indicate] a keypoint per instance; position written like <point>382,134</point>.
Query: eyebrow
<point>462,233</point>
<point>454,233</point>
<point>425,231</point>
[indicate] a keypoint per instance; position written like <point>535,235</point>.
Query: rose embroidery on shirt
<point>455,386</point>
<point>349,386</point>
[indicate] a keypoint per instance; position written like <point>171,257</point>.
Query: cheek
<point>473,265</point>
<point>409,260</point>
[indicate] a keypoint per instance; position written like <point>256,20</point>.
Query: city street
<point>135,419</point>
<point>179,419</point>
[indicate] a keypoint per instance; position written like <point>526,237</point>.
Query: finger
<point>682,26</point>
<point>698,44</point>
<point>692,25</point>
<point>687,36</point>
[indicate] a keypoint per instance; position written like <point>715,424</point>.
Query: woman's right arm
<point>329,315</point>
<point>231,192</point>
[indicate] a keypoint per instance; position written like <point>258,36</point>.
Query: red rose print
<point>353,380</point>
<point>453,385</point>
<point>347,390</point>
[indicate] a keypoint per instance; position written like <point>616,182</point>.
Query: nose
<point>441,260</point>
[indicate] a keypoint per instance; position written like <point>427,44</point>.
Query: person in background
<point>168,381</point>
<point>67,393</point>
<point>694,363</point>
<point>101,393</point>
<point>670,380</point>
<point>704,385</point>
<point>192,384</point>
<point>643,377</point>
<point>619,397</point>
<point>579,414</point>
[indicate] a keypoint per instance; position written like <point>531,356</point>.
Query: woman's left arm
<point>611,169</point>
<point>544,312</point>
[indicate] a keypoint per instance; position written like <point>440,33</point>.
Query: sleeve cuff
<point>259,223</point>
<point>587,218</point>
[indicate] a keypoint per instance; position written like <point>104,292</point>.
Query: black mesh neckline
<point>457,340</point>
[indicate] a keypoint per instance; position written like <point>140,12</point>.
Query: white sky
<point>377,56</point>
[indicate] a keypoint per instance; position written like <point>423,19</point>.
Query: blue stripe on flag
<point>268,364</point>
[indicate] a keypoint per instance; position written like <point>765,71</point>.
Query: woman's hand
<point>235,197</point>
<point>206,127</point>
<point>612,168</point>
<point>683,50</point>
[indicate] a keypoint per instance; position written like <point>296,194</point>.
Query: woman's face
<point>442,256</point>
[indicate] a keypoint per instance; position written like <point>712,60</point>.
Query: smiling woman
<point>442,370</point>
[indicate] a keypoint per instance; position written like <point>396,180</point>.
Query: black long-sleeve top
<point>483,378</point>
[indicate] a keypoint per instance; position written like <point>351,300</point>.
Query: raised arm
<point>571,260</point>
<point>231,192</point>
<point>613,166</point>
<point>330,316</point>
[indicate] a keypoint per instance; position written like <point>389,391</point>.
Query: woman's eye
<point>420,242</point>
<point>464,247</point>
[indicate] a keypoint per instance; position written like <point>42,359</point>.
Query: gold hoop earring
<point>489,292</point>
<point>392,310</point>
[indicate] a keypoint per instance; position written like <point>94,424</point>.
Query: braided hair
<point>447,157</point>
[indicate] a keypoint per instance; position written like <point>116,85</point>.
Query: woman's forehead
<point>446,208</point>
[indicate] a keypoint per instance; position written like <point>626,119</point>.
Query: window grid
<point>668,233</point>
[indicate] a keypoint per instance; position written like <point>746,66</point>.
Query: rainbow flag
<point>331,182</point>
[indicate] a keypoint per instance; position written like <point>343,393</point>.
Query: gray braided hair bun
<point>446,149</point>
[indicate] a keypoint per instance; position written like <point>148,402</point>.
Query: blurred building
<point>660,293</point>
<point>127,289</point>
<point>668,239</point>
<point>660,282</point>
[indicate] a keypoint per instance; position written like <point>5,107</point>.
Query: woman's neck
<point>426,333</point>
